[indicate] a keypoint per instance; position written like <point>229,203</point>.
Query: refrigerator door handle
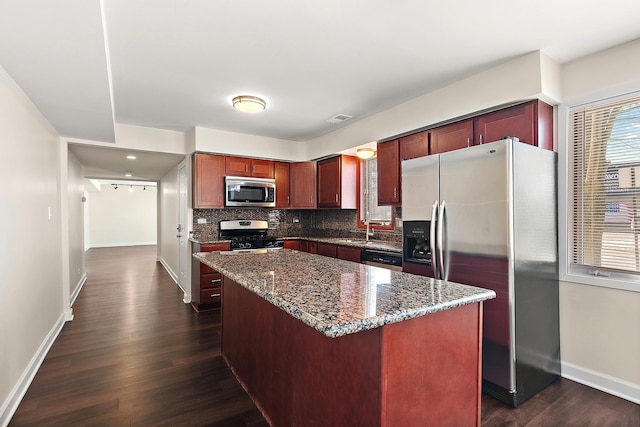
<point>432,239</point>
<point>444,270</point>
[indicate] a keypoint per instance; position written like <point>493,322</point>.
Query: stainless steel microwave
<point>250,192</point>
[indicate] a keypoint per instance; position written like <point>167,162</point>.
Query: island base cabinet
<point>423,371</point>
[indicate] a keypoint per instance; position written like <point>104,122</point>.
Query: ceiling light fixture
<point>365,152</point>
<point>248,104</point>
<point>128,173</point>
<point>131,157</point>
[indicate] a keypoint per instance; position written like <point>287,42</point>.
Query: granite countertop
<point>380,245</point>
<point>339,297</point>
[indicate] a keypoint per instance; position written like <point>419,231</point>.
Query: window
<point>379,216</point>
<point>605,189</point>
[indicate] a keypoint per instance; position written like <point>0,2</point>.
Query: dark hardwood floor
<point>135,354</point>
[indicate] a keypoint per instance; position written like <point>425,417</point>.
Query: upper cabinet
<point>302,188</point>
<point>208,181</point>
<point>451,137</point>
<point>241,166</point>
<point>282,184</point>
<point>389,173</point>
<point>532,123</point>
<point>416,145</point>
<point>337,182</point>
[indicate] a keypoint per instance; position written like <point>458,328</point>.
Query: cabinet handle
<point>468,142</point>
<point>216,280</point>
<point>288,201</point>
<point>480,139</point>
<point>246,168</point>
<point>336,197</point>
<point>215,295</point>
<point>395,191</point>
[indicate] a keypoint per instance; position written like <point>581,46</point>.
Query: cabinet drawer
<point>210,280</point>
<point>206,269</point>
<point>208,296</point>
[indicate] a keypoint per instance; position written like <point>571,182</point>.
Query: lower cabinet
<point>327,249</point>
<point>292,244</point>
<point>209,295</point>
<point>349,253</point>
<point>307,246</point>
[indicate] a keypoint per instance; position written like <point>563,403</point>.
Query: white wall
<point>169,220</point>
<point>600,327</point>
<point>31,302</point>
<point>218,141</point>
<point>122,218</point>
<point>512,81</point>
<point>75,188</point>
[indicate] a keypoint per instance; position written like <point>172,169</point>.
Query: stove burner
<point>248,234</point>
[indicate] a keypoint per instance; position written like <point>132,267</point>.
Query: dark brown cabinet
<point>307,246</point>
<point>209,296</point>
<point>349,253</point>
<point>532,123</point>
<point>451,137</point>
<point>327,249</point>
<point>282,184</point>
<point>302,185</point>
<point>242,166</point>
<point>292,244</point>
<point>389,192</point>
<point>208,181</point>
<point>413,146</point>
<point>337,182</point>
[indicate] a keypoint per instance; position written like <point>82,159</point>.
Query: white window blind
<point>378,215</point>
<point>606,188</point>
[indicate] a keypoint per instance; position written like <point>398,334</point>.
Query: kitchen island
<point>318,341</point>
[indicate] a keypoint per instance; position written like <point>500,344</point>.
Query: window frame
<point>361,222</point>
<point>615,280</point>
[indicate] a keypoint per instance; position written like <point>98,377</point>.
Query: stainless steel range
<point>246,234</point>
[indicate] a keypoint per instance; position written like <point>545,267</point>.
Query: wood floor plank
<point>135,354</point>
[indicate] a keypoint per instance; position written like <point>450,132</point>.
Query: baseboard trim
<point>10,405</point>
<point>78,288</point>
<point>173,275</point>
<point>117,245</point>
<point>602,382</point>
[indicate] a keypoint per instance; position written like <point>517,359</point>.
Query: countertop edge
<point>346,328</point>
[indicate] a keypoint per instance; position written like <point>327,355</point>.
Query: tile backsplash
<point>312,223</point>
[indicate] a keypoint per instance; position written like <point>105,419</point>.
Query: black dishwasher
<point>390,260</point>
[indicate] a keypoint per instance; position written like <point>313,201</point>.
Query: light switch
<point>202,220</point>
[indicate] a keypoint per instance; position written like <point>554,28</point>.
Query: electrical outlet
<point>202,220</point>
<point>296,220</point>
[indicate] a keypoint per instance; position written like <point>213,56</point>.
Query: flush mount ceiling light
<point>365,152</point>
<point>128,173</point>
<point>131,157</point>
<point>248,104</point>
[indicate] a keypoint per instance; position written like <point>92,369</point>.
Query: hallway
<point>135,354</point>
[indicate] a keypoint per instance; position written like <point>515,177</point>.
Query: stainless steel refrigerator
<point>488,217</point>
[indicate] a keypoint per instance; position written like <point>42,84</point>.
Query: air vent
<point>339,118</point>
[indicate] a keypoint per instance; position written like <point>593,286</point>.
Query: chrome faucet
<point>369,233</point>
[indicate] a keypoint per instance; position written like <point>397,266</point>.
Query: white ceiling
<point>176,65</point>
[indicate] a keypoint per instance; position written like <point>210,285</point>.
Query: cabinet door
<point>327,249</point>
<point>294,245</point>
<point>389,173</point>
<point>303,184</point>
<point>416,145</point>
<point>208,181</point>
<point>237,166</point>
<point>349,253</point>
<point>329,183</point>
<point>282,184</point>
<point>516,121</point>
<point>262,168</point>
<point>451,137</point>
